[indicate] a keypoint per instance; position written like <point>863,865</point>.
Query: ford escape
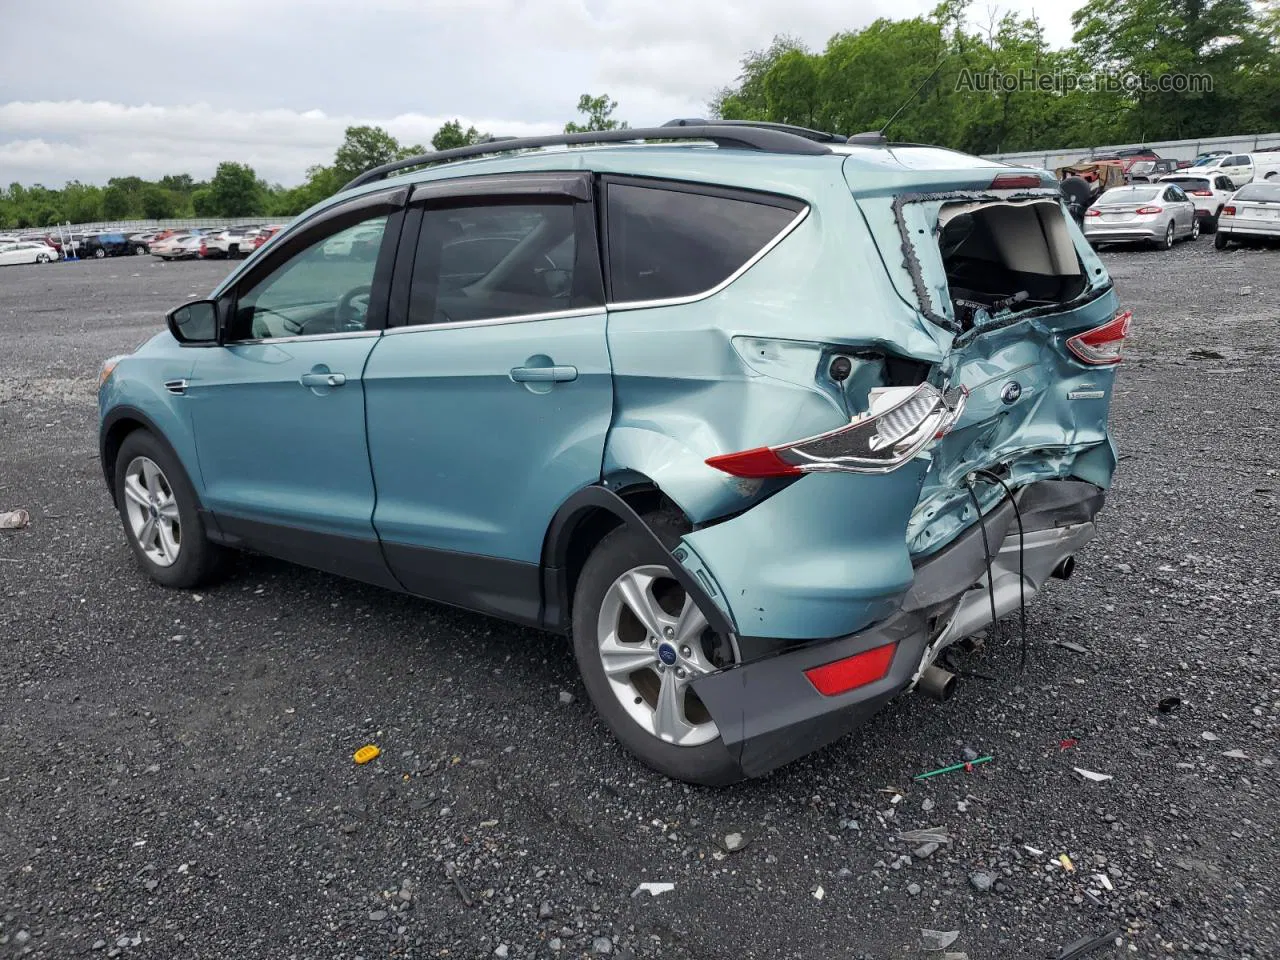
<point>765,419</point>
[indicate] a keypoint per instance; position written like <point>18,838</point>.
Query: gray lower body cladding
<point>768,712</point>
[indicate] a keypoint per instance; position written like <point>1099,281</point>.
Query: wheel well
<point>111,444</point>
<point>594,525</point>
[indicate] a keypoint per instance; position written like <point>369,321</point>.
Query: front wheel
<point>1168,238</point>
<point>139,250</point>
<point>158,507</point>
<point>640,641</point>
<point>99,253</point>
<point>43,258</point>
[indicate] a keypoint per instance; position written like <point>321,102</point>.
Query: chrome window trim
<point>712,291</point>
<point>307,337</point>
<point>493,321</point>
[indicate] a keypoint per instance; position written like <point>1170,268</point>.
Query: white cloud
<point>273,84</point>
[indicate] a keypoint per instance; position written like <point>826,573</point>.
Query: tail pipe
<point>937,683</point>
<point>1065,569</point>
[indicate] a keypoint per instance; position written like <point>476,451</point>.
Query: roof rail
<point>821,136</point>
<point>744,137</point>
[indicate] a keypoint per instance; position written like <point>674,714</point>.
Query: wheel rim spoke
<point>621,659</point>
<point>151,474</point>
<point>669,722</point>
<point>690,624</point>
<point>147,535</point>
<point>636,591</point>
<point>169,510</point>
<point>134,490</point>
<point>166,541</point>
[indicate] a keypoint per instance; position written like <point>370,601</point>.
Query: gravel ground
<point>177,777</point>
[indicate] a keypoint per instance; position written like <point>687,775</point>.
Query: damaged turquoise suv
<point>764,418</point>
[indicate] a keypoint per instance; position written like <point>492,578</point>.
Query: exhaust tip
<point>1065,569</point>
<point>936,683</point>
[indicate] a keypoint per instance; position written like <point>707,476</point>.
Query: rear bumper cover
<point>768,712</point>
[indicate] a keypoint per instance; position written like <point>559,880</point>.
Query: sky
<point>92,90</point>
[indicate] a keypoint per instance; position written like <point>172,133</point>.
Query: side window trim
<point>799,207</point>
<point>575,187</point>
<point>326,223</point>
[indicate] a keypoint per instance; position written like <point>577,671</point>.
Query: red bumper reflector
<point>841,676</point>
<point>757,463</point>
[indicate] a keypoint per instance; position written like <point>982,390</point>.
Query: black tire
<point>1195,229</point>
<point>1167,243</point>
<point>139,250</point>
<point>709,764</point>
<point>99,254</point>
<point>1220,240</point>
<point>1209,222</point>
<point>43,258</point>
<point>200,561</point>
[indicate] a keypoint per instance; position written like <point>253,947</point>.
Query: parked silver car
<point>1251,215</point>
<point>1142,213</point>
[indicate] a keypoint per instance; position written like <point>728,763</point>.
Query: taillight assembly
<point>204,249</point>
<point>1202,193</point>
<point>1228,211</point>
<point>841,676</point>
<point>1101,346</point>
<point>1141,211</point>
<point>900,422</point>
<point>1093,213</point>
<point>1016,181</point>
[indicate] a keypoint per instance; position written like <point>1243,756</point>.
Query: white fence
<point>142,226</point>
<point>1173,149</point>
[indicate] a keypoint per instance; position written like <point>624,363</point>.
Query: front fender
<point>143,399</point>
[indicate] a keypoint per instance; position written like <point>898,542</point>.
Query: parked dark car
<point>101,245</point>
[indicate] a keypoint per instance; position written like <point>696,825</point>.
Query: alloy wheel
<point>1195,228</point>
<point>1168,236</point>
<point>152,508</point>
<point>653,643</point>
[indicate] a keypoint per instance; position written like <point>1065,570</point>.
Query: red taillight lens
<point>841,676</point>
<point>1228,211</point>
<point>1092,213</point>
<point>1145,210</point>
<point>1202,193</point>
<point>900,422</point>
<point>1016,181</point>
<point>203,249</point>
<point>1101,346</point>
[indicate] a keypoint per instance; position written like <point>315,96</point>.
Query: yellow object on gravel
<point>365,754</point>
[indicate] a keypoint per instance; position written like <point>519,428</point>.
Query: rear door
<point>491,393</point>
<point>279,409</point>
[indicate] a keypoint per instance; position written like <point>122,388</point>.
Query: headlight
<point>106,370</point>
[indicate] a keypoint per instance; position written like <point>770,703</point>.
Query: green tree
<point>235,191</point>
<point>81,203</point>
<point>202,204</point>
<point>450,136</point>
<point>598,112</point>
<point>158,203</point>
<point>115,203</point>
<point>364,148</point>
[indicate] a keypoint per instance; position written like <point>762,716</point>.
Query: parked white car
<point>1208,191</point>
<point>232,242</point>
<point>1244,168</point>
<point>1251,215</point>
<point>182,246</point>
<point>26,251</point>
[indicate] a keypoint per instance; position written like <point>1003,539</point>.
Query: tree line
<point>940,78</point>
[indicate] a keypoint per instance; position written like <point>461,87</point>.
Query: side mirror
<point>195,322</point>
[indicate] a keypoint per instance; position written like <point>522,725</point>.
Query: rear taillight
<point>841,676</point>
<point>1101,346</point>
<point>1092,213</point>
<point>1016,181</point>
<point>204,249</point>
<point>1141,211</point>
<point>1228,211</point>
<point>900,423</point>
<point>1202,193</point>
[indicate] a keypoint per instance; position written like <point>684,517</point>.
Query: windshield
<point>1266,192</point>
<point>1143,166</point>
<point>1129,195</point>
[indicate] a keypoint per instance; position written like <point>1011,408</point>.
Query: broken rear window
<point>1007,256</point>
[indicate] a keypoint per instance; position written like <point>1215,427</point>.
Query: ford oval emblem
<point>667,654</point>
<point>1011,392</point>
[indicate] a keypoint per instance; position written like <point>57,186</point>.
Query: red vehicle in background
<point>1126,157</point>
<point>265,234</point>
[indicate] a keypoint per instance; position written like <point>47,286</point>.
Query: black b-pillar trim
<point>555,554</point>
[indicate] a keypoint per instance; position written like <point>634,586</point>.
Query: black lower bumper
<point>768,712</point>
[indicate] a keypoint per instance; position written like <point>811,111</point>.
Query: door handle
<point>544,374</point>
<point>322,379</point>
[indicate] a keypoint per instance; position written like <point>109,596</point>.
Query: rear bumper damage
<point>769,713</point>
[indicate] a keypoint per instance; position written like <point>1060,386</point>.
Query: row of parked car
<point>197,242</point>
<point>1182,206</point>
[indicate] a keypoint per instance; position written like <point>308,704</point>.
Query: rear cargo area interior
<point>1002,255</point>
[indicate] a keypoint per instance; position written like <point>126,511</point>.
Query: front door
<point>489,405</point>
<point>279,409</point>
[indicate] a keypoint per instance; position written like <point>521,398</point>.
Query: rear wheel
<point>139,250</point>
<point>1195,229</point>
<point>640,640</point>
<point>158,507</point>
<point>99,253</point>
<point>43,258</point>
<point>1220,241</point>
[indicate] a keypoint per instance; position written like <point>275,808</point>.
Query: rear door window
<point>673,241</point>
